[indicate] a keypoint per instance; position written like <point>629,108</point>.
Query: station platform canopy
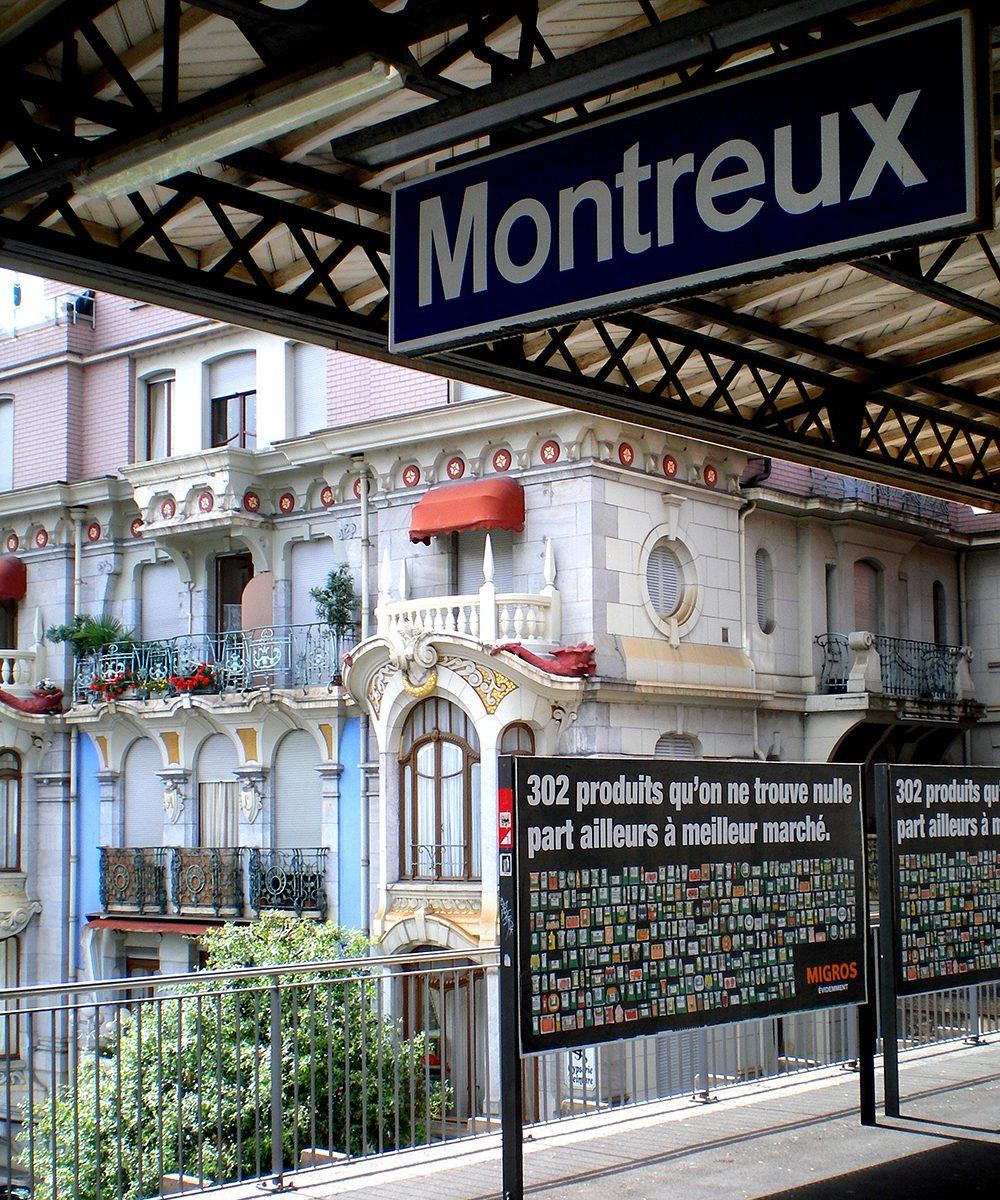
<point>238,158</point>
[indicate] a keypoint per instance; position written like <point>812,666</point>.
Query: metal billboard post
<point>512,1157</point>
<point>888,943</point>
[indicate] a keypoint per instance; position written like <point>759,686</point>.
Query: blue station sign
<point>880,143</point>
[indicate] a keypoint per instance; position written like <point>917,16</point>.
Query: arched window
<point>439,794</point>
<point>674,745</point>
<point>518,739</point>
<point>940,614</point>
<point>10,811</point>
<point>765,591</point>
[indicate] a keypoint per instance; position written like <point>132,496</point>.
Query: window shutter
<point>664,579</point>
<point>234,373</point>
<point>471,547</point>
<point>298,797</point>
<point>765,591</point>
<point>311,563</point>
<point>674,745</point>
<point>309,382</point>
<point>161,591</point>
<point>143,795</point>
<point>6,444</point>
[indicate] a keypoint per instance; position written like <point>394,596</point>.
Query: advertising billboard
<point>659,895</point>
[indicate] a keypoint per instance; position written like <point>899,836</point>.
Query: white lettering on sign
<point>732,185</point>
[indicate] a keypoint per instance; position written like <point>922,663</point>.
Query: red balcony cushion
<point>13,578</point>
<point>459,507</point>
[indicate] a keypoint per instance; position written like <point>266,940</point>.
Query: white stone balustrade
<point>20,670</point>
<point>488,616</point>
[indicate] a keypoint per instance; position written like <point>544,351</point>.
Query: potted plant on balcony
<point>86,633</point>
<point>199,680</point>
<point>336,603</point>
<point>114,686</point>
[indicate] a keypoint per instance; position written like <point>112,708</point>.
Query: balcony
<point>897,668</point>
<point>277,656</point>
<point>197,880</point>
<point>487,615</point>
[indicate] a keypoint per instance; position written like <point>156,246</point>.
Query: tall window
<point>868,597</point>
<point>159,402</point>
<point>6,443</point>
<point>233,401</point>
<point>8,624</point>
<point>518,739</point>
<point>940,614</point>
<point>439,794</point>
<point>10,977</point>
<point>10,811</point>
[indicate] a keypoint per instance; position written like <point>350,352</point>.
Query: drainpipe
<point>963,634</point>
<point>78,513</point>
<point>364,772</point>
<point>746,509</point>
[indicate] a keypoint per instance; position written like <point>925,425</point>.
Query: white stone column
<point>330,774</point>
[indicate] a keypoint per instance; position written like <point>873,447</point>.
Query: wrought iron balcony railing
<point>900,668</point>
<point>279,656</point>
<point>197,879</point>
<point>293,880</point>
<point>207,877</point>
<point>134,879</point>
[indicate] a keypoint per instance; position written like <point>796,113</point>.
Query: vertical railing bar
<point>159,1088</point>
<point>218,1087</point>
<point>379,1064</point>
<point>234,999</point>
<point>118,1093</point>
<point>328,1025</point>
<point>256,1080</point>
<point>348,1060</point>
<point>180,1087</point>
<point>312,1063</point>
<point>137,1034</point>
<point>363,986</point>
<point>199,1042</point>
<point>53,1094</point>
<point>277,1157</point>
<point>295,994</point>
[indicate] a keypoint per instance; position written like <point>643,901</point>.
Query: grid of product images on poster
<point>949,910</point>
<point>614,946</point>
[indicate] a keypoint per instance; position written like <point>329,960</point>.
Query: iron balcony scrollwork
<point>134,879</point>
<point>289,879</point>
<point>207,877</point>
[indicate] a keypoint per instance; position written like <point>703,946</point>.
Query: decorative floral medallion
<point>94,531</point>
<point>549,452</point>
<point>455,467</point>
<point>13,541</point>
<point>136,527</point>
<point>286,502</point>
<point>41,539</point>
<point>670,466</point>
<point>251,502</point>
<point>167,509</point>
<point>411,475</point>
<point>710,475</point>
<point>502,460</point>
<point>206,502</point>
<point>326,497</point>
<point>626,455</point>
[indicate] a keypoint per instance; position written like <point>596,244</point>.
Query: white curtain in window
<point>474,833</point>
<point>218,814</point>
<point>452,811</point>
<point>424,854</point>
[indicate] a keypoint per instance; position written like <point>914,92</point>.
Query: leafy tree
<point>183,1084</point>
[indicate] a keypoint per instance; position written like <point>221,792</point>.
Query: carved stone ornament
<point>411,651</point>
<point>251,798</point>
<point>173,799</point>
<point>463,906</point>
<point>16,910</point>
<point>377,685</point>
<point>489,684</point>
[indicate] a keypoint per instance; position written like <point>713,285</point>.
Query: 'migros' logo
<point>832,972</point>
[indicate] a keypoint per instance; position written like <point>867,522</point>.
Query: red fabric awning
<point>459,507</point>
<point>153,925</point>
<point>13,578</point>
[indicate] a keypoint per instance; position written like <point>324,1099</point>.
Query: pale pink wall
<point>106,410</point>
<point>361,388</point>
<point>40,426</point>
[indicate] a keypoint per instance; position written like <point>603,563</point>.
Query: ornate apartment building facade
<point>528,580</point>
